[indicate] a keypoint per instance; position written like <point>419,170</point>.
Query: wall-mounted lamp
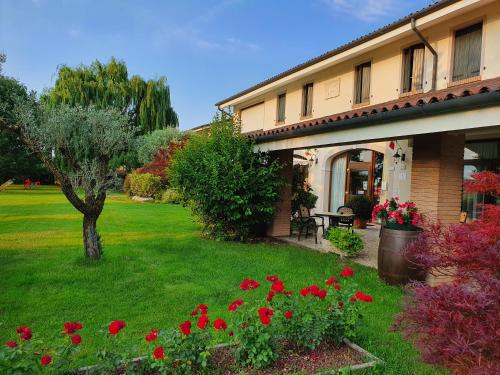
<point>312,156</point>
<point>397,156</point>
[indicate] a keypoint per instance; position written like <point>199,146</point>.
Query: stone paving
<point>367,257</point>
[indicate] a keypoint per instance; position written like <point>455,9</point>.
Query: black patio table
<point>334,218</point>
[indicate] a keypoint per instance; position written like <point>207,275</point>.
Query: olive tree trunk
<point>92,247</point>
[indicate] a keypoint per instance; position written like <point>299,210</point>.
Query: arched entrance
<point>355,172</point>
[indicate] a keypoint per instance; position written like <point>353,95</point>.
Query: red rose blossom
<point>24,333</point>
<point>278,287</point>
<point>234,305</point>
<point>337,287</point>
<point>203,308</point>
<point>352,299</point>
<point>249,284</point>
<point>72,327</point>
<point>347,272</point>
<point>321,294</point>
<point>203,322</point>
<point>265,315</point>
<point>76,339</point>
<point>159,353</point>
<point>270,296</point>
<point>363,297</point>
<point>332,280</point>
<point>289,314</point>
<point>152,335</point>
<point>220,324</point>
<point>272,278</point>
<point>45,360</point>
<point>116,326</point>
<point>11,344</point>
<point>185,327</point>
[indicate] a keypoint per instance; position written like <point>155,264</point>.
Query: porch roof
<point>453,99</point>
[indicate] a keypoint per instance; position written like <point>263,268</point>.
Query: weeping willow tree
<point>147,103</point>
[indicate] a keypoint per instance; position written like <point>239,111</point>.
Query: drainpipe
<point>429,47</point>
<point>222,110</point>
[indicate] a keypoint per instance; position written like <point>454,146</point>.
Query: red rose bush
<point>256,325</point>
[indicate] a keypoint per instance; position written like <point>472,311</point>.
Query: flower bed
<point>284,331</point>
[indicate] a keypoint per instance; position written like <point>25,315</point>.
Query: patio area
<point>367,257</point>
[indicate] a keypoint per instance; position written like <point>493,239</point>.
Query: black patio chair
<point>348,220</point>
<point>307,221</point>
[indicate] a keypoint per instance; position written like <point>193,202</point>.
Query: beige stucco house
<point>424,88</point>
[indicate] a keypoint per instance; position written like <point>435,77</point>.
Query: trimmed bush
<point>172,196</point>
<point>144,185</point>
<point>348,242</point>
<point>361,205</point>
<point>232,188</point>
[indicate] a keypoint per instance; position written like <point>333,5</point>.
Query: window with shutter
<point>280,112</point>
<point>467,53</point>
<point>307,93</point>
<point>413,68</point>
<point>362,89</point>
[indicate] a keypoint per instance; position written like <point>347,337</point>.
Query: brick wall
<point>281,224</point>
<point>437,172</point>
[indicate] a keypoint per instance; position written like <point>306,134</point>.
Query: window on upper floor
<point>362,89</point>
<point>467,52</point>
<point>413,68</point>
<point>307,99</point>
<point>280,109</point>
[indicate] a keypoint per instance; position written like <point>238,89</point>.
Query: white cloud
<point>365,10</point>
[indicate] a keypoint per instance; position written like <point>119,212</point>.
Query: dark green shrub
<point>232,188</point>
<point>144,185</point>
<point>361,205</point>
<point>349,242</point>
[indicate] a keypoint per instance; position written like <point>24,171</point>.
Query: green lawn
<point>156,269</point>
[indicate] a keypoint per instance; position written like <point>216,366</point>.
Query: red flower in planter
<point>45,360</point>
<point>347,272</point>
<point>76,339</point>
<point>203,322</point>
<point>270,295</point>
<point>278,286</point>
<point>289,314</point>
<point>159,353</point>
<point>24,333</point>
<point>363,297</point>
<point>152,335</point>
<point>332,280</point>
<point>186,327</point>
<point>220,324</point>
<point>272,278</point>
<point>265,315</point>
<point>337,287</point>
<point>116,326</point>
<point>248,284</point>
<point>234,305</point>
<point>11,344</point>
<point>203,308</point>
<point>72,327</point>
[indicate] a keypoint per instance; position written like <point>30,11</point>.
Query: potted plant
<point>399,228</point>
<point>362,207</point>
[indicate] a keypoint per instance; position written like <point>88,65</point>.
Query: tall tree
<point>108,85</point>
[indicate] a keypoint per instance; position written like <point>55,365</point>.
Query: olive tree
<point>76,145</point>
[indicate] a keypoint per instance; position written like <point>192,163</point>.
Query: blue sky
<point>207,49</point>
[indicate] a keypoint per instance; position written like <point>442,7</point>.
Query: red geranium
<point>220,324</point>
<point>24,333</point>
<point>278,286</point>
<point>76,339</point>
<point>289,314</point>
<point>203,308</point>
<point>45,360</point>
<point>159,353</point>
<point>347,272</point>
<point>72,327</point>
<point>332,280</point>
<point>234,305</point>
<point>203,322</point>
<point>185,327</point>
<point>249,284</point>
<point>152,335</point>
<point>265,315</point>
<point>116,326</point>
<point>11,344</point>
<point>363,297</point>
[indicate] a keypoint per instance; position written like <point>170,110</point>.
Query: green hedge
<point>143,185</point>
<point>343,239</point>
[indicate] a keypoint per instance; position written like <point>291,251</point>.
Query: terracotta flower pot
<point>359,223</point>
<point>393,266</point>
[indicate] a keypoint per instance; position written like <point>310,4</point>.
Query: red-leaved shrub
<point>456,324</point>
<point>161,160</point>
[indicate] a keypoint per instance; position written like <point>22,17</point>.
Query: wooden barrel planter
<point>393,267</point>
